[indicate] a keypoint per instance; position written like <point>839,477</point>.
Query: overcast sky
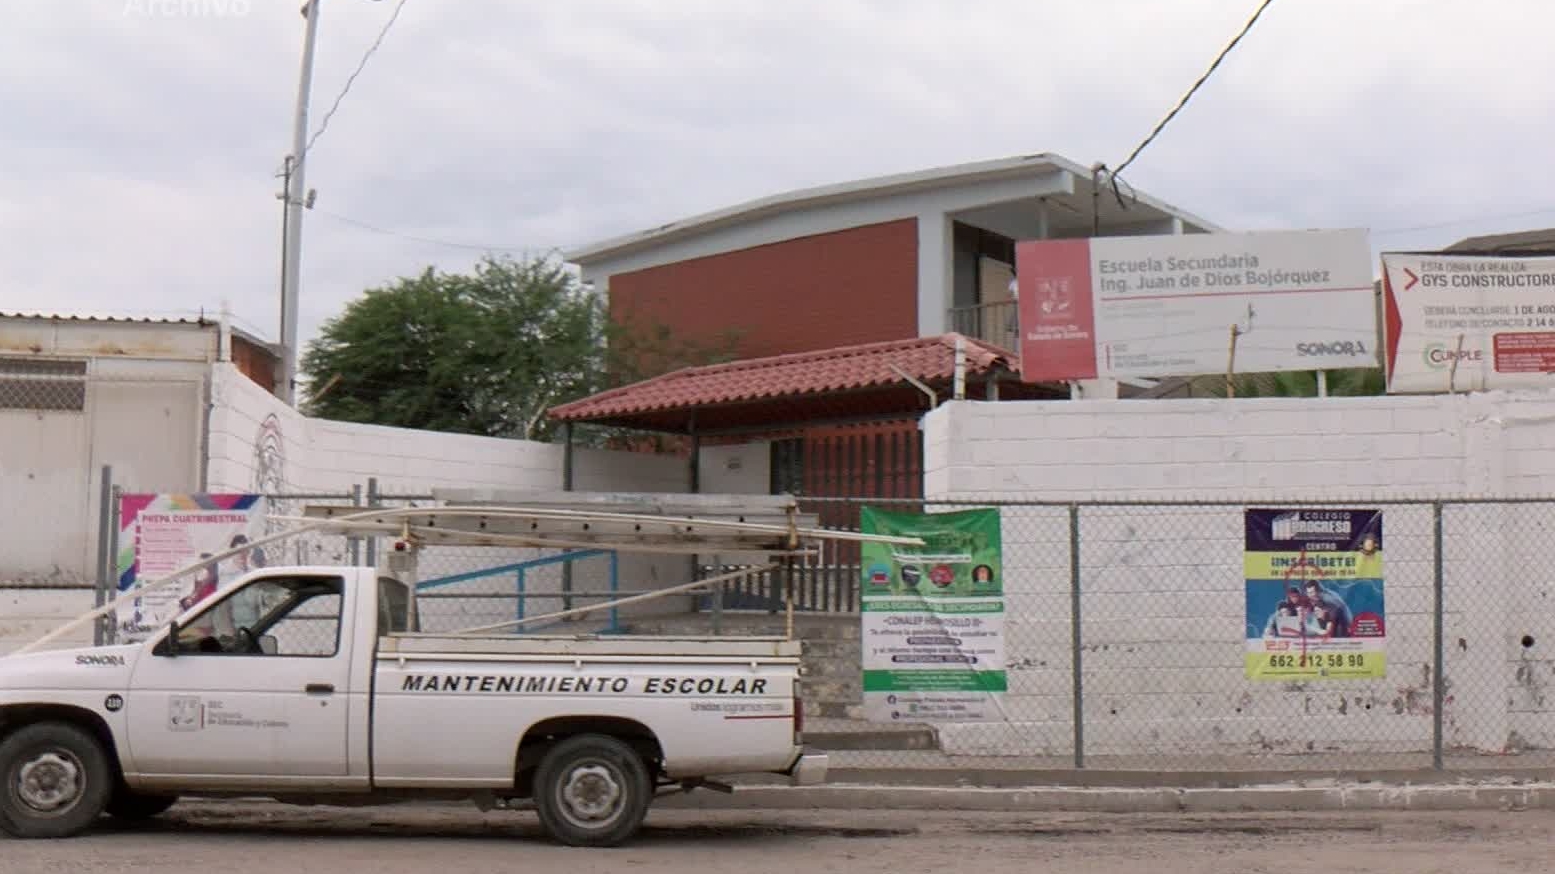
<point>141,137</point>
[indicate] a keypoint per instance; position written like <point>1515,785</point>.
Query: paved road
<point>235,839</point>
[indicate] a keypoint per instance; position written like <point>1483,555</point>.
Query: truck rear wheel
<point>592,790</point>
<point>56,780</point>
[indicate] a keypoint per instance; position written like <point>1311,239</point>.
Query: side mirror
<point>268,645</point>
<point>170,645</point>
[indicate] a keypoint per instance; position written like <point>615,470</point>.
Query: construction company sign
<point>1194,304</point>
<point>1468,322</point>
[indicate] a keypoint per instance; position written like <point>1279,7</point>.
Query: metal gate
<point>832,469</point>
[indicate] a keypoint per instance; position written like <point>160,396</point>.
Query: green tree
<point>1348,382</point>
<point>487,352</point>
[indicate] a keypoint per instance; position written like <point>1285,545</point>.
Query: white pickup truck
<point>313,685</point>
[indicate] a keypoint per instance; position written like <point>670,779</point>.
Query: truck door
<point>257,685</point>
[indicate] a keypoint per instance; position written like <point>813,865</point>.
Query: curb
<point>1274,798</point>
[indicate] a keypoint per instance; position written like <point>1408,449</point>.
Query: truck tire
<point>136,807</point>
<point>592,790</point>
<point>57,780</point>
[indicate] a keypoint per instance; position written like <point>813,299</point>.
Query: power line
<point>350,80</point>
<point>1191,91</point>
<point>1465,221</point>
<point>452,244</point>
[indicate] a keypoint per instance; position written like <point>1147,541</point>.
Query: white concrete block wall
<point>1390,446</point>
<point>1163,601</point>
<point>1039,704</point>
<point>28,614</point>
<point>324,456</point>
<point>604,470</point>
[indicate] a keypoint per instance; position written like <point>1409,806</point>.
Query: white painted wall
<point>1163,594</point>
<point>147,419</point>
<point>28,614</point>
<point>144,418</point>
<point>100,339</point>
<point>736,469</point>
<point>324,456</point>
<point>321,456</point>
<point>46,514</point>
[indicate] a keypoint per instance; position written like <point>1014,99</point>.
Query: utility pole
<point>296,199</point>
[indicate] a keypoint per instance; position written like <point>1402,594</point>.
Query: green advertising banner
<point>933,617</point>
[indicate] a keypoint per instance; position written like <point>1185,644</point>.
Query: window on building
<point>42,384</point>
<point>787,465</point>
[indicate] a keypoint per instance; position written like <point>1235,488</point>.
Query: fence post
<point>567,583</point>
<point>1074,635</point>
<point>1439,684</point>
<point>615,588</point>
<point>523,595</point>
<point>372,541</point>
<point>353,543</point>
<point>105,563</point>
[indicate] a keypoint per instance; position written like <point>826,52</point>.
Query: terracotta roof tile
<point>927,359</point>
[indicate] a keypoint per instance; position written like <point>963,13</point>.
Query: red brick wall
<point>255,362</point>
<point>854,286</point>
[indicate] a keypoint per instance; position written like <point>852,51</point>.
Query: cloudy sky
<point>141,137</point>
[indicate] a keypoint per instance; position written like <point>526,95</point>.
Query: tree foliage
<point>1347,382</point>
<point>487,352</point>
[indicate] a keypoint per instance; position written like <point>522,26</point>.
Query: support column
<point>567,457</point>
<point>696,455</point>
<point>693,561</point>
<point>935,276</point>
<point>567,468</point>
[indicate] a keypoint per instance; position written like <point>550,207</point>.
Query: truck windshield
<point>285,616</point>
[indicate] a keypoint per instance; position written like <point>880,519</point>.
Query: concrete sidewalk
<point>1505,793</point>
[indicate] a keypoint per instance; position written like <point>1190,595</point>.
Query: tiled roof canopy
<point>850,382</point>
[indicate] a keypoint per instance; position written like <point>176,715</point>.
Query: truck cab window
<point>275,616</point>
<point>393,607</point>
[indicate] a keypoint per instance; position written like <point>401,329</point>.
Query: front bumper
<point>809,769</point>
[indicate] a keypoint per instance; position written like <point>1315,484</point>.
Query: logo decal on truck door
<point>185,713</point>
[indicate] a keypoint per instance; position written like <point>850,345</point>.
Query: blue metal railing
<point>521,569</point>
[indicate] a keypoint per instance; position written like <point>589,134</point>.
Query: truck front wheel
<point>592,790</point>
<point>57,780</point>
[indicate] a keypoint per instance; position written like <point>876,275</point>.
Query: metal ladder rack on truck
<point>243,695</point>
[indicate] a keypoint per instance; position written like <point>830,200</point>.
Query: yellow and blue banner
<point>1315,606</point>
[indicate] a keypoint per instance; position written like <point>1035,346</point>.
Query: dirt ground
<point>237,838</point>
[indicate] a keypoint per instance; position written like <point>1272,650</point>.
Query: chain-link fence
<point>458,587</point>
<point>1155,636</point>
<point>461,587</point>
<point>1135,636</point>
